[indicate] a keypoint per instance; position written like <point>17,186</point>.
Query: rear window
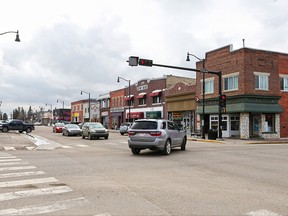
<point>148,125</point>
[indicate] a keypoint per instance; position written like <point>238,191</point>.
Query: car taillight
<point>156,133</point>
<point>131,133</point>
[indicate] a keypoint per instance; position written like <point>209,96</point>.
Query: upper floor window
<point>142,101</point>
<point>231,82</point>
<point>209,86</point>
<point>261,81</point>
<point>284,83</point>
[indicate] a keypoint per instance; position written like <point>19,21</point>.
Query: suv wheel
<point>136,151</point>
<point>83,137</point>
<point>167,148</point>
<point>90,137</point>
<point>183,145</point>
<point>28,130</point>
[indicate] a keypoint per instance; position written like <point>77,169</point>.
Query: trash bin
<point>212,134</point>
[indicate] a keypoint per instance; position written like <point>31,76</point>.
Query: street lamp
<point>89,103</point>
<point>129,90</point>
<point>61,101</point>
<point>17,34</point>
<point>203,90</point>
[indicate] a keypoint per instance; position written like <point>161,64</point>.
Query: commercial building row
<point>254,81</point>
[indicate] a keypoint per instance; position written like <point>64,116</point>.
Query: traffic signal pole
<point>146,62</point>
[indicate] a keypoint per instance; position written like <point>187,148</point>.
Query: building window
<point>214,122</point>
<point>209,86</point>
<point>284,83</point>
<point>156,99</point>
<point>131,102</point>
<point>269,123</point>
<point>231,83</point>
<point>235,123</point>
<point>142,101</point>
<point>261,81</point>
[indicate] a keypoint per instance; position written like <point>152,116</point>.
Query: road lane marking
<point>27,182</point>
<point>17,168</point>
<point>40,209</point>
<point>20,174</point>
<point>66,147</point>
<point>34,192</point>
<point>13,163</point>
<point>85,146</point>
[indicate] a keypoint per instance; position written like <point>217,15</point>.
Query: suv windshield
<point>152,125</point>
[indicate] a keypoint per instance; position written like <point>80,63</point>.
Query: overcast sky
<point>72,45</point>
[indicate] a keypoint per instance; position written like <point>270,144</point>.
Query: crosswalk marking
<point>17,168</point>
<point>10,163</point>
<point>40,209</point>
<point>8,148</point>
<point>34,192</point>
<point>27,182</point>
<point>13,163</point>
<point>7,157</point>
<point>9,160</point>
<point>20,174</point>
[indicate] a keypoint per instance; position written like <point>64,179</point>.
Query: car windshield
<point>72,126</point>
<point>145,125</point>
<point>96,126</point>
<point>59,124</point>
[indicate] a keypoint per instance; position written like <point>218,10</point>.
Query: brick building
<point>117,107</point>
<point>251,81</point>
<point>80,110</point>
<point>104,109</point>
<point>180,101</point>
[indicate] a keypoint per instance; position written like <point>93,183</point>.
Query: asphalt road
<point>102,177</point>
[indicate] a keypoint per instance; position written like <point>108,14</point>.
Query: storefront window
<point>235,123</point>
<point>214,122</point>
<point>269,123</point>
<point>224,123</point>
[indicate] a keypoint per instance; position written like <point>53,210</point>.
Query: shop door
<point>186,125</point>
<point>256,121</point>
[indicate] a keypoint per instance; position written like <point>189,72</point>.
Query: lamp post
<point>203,90</point>
<point>129,90</point>
<point>17,34</point>
<point>89,108</point>
<point>61,101</point>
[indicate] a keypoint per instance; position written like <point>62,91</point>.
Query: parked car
<point>156,134</point>
<point>71,129</point>
<point>94,130</point>
<point>16,124</point>
<point>57,128</point>
<point>124,127</point>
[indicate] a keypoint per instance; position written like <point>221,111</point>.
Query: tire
<point>122,134</point>
<point>83,137</point>
<point>135,151</point>
<point>20,131</point>
<point>28,130</point>
<point>5,129</point>
<point>106,137</point>
<point>90,137</point>
<point>167,148</point>
<point>183,145</point>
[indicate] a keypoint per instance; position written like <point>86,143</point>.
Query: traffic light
<point>146,62</point>
<point>222,101</point>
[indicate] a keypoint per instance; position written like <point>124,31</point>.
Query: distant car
<point>94,130</point>
<point>124,127</point>
<point>57,128</point>
<point>71,129</point>
<point>156,134</point>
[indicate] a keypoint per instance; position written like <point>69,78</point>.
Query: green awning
<point>243,108</point>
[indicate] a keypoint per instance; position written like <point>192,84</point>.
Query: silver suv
<point>156,134</point>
